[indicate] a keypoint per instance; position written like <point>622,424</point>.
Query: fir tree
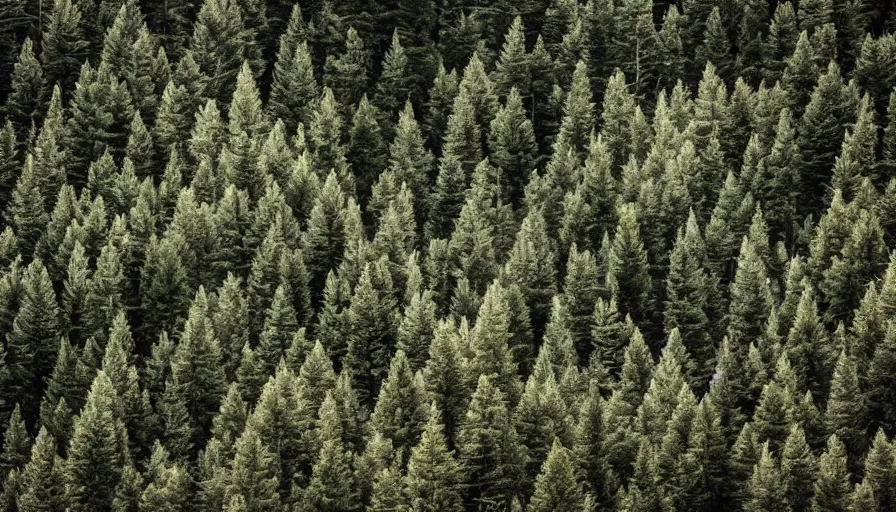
<point>766,489</point>
<point>97,452</point>
<point>556,487</point>
<point>433,476</point>
<point>832,487</point>
<point>488,448</point>
<point>63,45</point>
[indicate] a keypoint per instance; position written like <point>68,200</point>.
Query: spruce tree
<point>832,488</point>
<point>63,45</point>
<point>434,477</point>
<point>489,449</point>
<point>628,266</point>
<point>222,41</point>
<point>766,488</point>
<point>97,452</point>
<point>556,487</point>
<point>831,106</point>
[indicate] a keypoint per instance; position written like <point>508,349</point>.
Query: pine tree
<point>252,477</point>
<point>63,45</point>
<point>716,47</point>
<point>371,316</point>
<point>222,41</point>
<point>196,373</point>
<point>689,288</point>
<point>101,112</point>
<point>410,161</point>
<point>798,469</point>
<point>294,87</point>
<point>844,282</point>
<point>634,49</point>
<point>42,485</point>
<point>332,484</point>
<point>347,74</point>
<point>808,346</point>
<point>628,266</point>
<point>490,344</point>
<point>832,487</point>
<point>25,102</point>
<point>401,406</point>
<point>556,487</point>
<point>489,449</point>
<point>541,418</point>
<point>97,452</point>
<point>445,379</point>
<point>830,107</point>
<point>16,444</point>
<point>879,471</point>
<point>366,147</point>
<point>433,477</point>
<point>845,415</point>
<point>766,488</point>
<point>33,341</point>
<point>415,333</point>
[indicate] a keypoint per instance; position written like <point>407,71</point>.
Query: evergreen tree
<point>433,476</point>
<point>223,39</point>
<point>490,344</point>
<point>556,487</point>
<point>32,343</point>
<point>489,449</point>
<point>347,74</point>
<point>766,488</point>
<point>832,487</point>
<point>879,471</point>
<point>628,266</point>
<point>63,45</point>
<point>42,485</point>
<point>830,107</point>
<point>252,477</point>
<point>25,102</point>
<point>371,317</point>
<point>97,452</point>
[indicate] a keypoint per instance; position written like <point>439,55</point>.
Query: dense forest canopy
<point>447,255</point>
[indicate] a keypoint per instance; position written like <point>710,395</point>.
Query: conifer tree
<point>715,47</point>
<point>434,477</point>
<point>410,161</point>
<point>294,88</point>
<point>97,452</point>
<point>16,444</point>
<point>831,106</point>
<point>766,488</point>
<point>101,110</point>
<point>252,477</point>
<point>445,379</point>
<point>832,488</point>
<point>63,45</point>
<point>196,373</point>
<point>25,102</point>
<point>222,41</point>
<point>490,344</point>
<point>371,316</point>
<point>556,487</point>
<point>347,74</point>
<point>878,472</point>
<point>628,266</point>
<point>845,415</point>
<point>32,343</point>
<point>41,480</point>
<point>489,449</point>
